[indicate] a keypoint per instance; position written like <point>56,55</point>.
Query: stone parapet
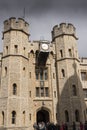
<point>63,29</point>
<point>16,24</point>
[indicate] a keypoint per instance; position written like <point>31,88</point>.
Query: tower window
<point>30,116</point>
<point>5,71</point>
<point>13,117</point>
<point>61,53</point>
<point>77,116</point>
<point>23,117</point>
<point>6,49</point>
<point>15,49</point>
<point>70,52</point>
<point>74,91</point>
<point>63,73</point>
<point>24,50</point>
<point>24,71</point>
<point>14,89</point>
<point>2,118</point>
<point>29,93</point>
<point>30,75</point>
<point>66,116</point>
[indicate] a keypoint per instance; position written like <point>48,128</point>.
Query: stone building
<point>41,80</point>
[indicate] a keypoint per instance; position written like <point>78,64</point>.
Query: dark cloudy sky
<point>42,15</point>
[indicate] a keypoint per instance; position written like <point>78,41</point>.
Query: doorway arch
<point>43,116</point>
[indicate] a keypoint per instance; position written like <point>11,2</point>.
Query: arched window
<point>77,116</point>
<point>13,117</point>
<point>15,49</point>
<point>63,72</point>
<point>2,117</point>
<point>74,91</point>
<point>31,53</point>
<point>14,89</point>
<point>66,116</point>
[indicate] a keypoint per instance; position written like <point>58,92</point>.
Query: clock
<point>45,46</point>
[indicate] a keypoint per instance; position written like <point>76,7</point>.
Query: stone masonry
<point>41,80</point>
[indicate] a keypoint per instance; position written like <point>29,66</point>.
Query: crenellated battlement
<point>63,29</point>
<point>16,24</point>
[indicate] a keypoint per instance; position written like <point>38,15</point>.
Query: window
<point>70,52</point>
<point>30,116</point>
<point>85,93</point>
<point>37,91</point>
<point>15,49</point>
<point>23,117</point>
<point>74,91</point>
<point>45,74</point>
<point>13,117</point>
<point>5,71</point>
<point>66,116</point>
<point>55,94</point>
<point>53,75</point>
<point>14,89</point>
<point>30,75</point>
<point>41,73</point>
<point>24,50</point>
<point>29,93</point>
<point>6,49</point>
<point>61,53</point>
<point>24,71</point>
<point>84,75</point>
<point>46,92</point>
<point>2,118</point>
<point>42,92</point>
<point>63,73</point>
<point>77,116</point>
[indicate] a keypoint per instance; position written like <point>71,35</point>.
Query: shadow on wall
<point>71,106</point>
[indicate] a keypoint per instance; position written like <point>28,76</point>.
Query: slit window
<point>61,53</point>
<point>70,52</point>
<point>15,49</point>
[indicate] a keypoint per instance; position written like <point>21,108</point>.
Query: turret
<point>15,37</point>
<point>13,24</point>
<point>63,29</point>
<point>67,65</point>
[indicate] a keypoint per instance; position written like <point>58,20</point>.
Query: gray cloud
<point>44,14</point>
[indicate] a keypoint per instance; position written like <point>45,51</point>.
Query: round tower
<point>70,98</point>
<point>15,37</point>
<point>14,82</point>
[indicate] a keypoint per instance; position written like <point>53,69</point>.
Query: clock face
<point>44,46</point>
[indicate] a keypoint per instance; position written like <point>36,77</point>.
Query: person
<point>57,126</point>
<point>81,126</point>
<point>65,127</point>
<point>85,125</point>
<point>74,126</point>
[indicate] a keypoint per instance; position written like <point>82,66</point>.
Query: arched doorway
<point>43,115</point>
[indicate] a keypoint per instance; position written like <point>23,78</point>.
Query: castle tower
<point>70,99</point>
<point>14,81</point>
